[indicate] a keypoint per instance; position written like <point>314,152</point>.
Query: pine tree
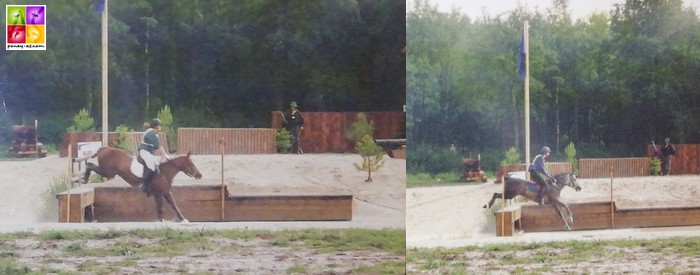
<point>372,156</point>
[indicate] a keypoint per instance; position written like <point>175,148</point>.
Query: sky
<point>579,9</point>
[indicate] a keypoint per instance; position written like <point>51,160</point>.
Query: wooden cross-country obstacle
<point>508,221</point>
<point>200,202</point>
<point>600,215</point>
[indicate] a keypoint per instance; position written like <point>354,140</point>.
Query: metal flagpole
<point>105,46</point>
<point>527,92</point>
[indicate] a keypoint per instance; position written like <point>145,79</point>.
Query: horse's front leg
<point>570,215</point>
<point>169,198</point>
<point>159,206</point>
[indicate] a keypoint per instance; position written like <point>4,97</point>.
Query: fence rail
<point>205,141</point>
<point>622,167</point>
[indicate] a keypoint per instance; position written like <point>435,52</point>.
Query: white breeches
<point>150,160</point>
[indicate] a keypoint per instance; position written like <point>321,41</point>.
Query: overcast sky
<point>577,8</point>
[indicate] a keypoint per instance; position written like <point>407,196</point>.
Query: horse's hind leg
<point>169,198</point>
<point>493,199</point>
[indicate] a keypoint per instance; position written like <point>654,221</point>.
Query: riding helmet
<point>545,149</point>
<point>155,122</point>
<point>293,104</point>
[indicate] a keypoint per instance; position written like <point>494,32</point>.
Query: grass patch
<point>395,267</point>
<point>297,269</point>
<point>49,211</point>
<point>549,254</point>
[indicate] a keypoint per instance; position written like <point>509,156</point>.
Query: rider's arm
<point>165,154</point>
<point>539,164</point>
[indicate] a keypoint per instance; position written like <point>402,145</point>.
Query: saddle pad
<point>136,168</point>
<point>530,186</point>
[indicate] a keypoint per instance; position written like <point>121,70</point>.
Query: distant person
<point>453,149</point>
<point>149,145</point>
<point>294,123</point>
<point>668,151</point>
<point>539,172</point>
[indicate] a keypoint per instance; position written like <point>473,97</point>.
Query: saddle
<point>137,166</point>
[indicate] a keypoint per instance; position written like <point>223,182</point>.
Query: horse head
<point>185,164</point>
<point>568,179</point>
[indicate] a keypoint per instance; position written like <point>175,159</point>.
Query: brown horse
<point>114,161</point>
<point>519,187</point>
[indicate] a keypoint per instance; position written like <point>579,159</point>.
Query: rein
<point>178,167</point>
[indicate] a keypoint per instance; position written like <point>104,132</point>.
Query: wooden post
<point>612,202</point>
<point>223,199</point>
<point>70,167</point>
<point>503,206</point>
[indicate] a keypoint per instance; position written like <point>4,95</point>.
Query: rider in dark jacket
<point>539,173</point>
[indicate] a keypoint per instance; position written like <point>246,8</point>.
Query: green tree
<point>360,128</point>
<point>372,156</point>
<point>82,123</point>
<point>166,118</point>
<point>123,140</point>
<point>283,140</point>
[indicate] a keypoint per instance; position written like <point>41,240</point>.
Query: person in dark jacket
<point>294,123</point>
<point>667,152</point>
<point>539,172</point>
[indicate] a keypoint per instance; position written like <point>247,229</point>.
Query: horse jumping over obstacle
<point>113,161</point>
<point>519,187</point>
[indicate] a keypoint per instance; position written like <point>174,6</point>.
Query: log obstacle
<point>598,215</point>
<point>509,218</point>
<point>202,203</point>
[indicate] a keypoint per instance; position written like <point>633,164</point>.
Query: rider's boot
<point>540,194</point>
<point>147,177</point>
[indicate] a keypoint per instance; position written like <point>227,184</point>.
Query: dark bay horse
<point>519,187</point>
<point>114,161</point>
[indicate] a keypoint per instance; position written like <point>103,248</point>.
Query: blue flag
<point>99,6</point>
<point>521,57</point>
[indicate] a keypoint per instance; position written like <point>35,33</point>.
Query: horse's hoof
<point>567,227</point>
<point>185,221</point>
<point>485,206</point>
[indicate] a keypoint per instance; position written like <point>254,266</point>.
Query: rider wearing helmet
<point>149,145</point>
<point>539,172</point>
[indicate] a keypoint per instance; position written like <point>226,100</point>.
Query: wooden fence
<point>324,132</point>
<point>555,168</point>
<point>686,160</point>
<point>622,167</point>
<point>205,141</point>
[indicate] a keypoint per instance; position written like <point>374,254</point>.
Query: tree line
<point>215,63</point>
<point>610,83</point>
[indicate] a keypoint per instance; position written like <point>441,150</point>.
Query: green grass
<point>548,254</point>
<point>129,246</point>
<point>441,179</point>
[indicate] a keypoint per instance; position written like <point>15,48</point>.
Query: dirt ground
<point>453,216</point>
<point>377,205</point>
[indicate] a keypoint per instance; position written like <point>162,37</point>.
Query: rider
<point>539,173</point>
<point>147,148</point>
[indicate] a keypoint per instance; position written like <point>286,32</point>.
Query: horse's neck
<point>561,182</point>
<point>168,170</point>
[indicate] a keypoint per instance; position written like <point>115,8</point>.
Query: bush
<point>512,157</point>
<point>123,140</point>
<point>571,156</point>
<point>166,117</point>
<point>82,123</point>
<point>655,167</point>
<point>360,128</point>
<point>283,140</point>
<point>431,159</point>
